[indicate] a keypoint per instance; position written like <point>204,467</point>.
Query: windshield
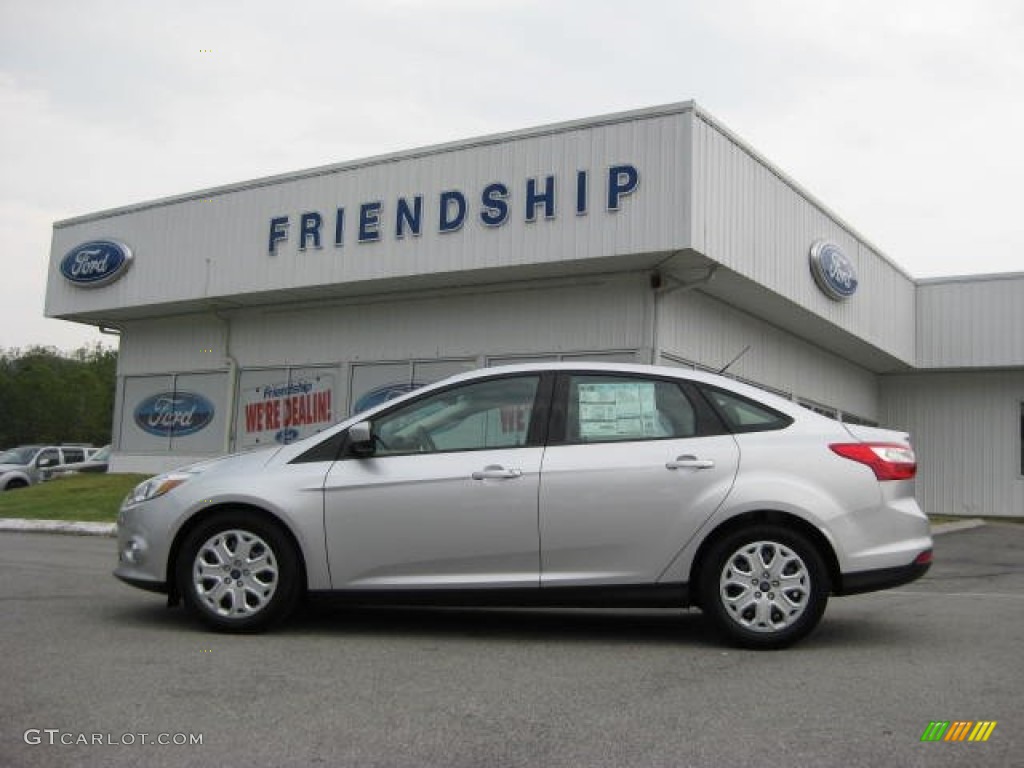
<point>18,455</point>
<point>103,454</point>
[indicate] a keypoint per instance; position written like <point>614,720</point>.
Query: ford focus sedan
<point>557,485</point>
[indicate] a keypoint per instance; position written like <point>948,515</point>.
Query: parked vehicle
<point>97,461</point>
<point>558,484</point>
<point>31,464</point>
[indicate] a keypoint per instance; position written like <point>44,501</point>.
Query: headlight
<point>156,486</point>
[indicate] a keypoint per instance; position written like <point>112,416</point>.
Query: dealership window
<point>282,405</point>
<point>376,383</point>
<point>174,413</point>
<point>819,408</point>
<point>567,357</point>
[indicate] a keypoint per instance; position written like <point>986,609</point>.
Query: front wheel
<point>764,587</point>
<point>238,573</point>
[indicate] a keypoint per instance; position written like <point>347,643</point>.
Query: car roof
<point>689,374</point>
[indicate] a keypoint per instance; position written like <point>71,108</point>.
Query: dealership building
<point>264,311</point>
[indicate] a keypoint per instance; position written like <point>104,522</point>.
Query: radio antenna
<point>728,365</point>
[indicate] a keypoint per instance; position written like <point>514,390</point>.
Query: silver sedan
<point>556,484</point>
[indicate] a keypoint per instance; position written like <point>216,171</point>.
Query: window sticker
<point>620,409</point>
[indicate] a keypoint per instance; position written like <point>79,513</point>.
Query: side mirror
<point>360,439</point>
<point>46,461</point>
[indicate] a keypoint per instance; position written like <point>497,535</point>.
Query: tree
<point>50,397</point>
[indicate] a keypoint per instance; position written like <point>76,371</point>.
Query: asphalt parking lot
<point>84,657</point>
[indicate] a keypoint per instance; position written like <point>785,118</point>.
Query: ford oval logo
<point>382,394</point>
<point>96,263</point>
<point>174,413</point>
<point>833,271</point>
<point>286,436</point>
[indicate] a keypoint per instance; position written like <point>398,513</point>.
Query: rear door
<point>635,466</point>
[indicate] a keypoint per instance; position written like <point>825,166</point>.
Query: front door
<point>449,497</point>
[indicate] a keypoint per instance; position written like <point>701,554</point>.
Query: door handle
<point>497,472</point>
<point>689,462</point>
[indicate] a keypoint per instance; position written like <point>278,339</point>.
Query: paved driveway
<point>83,657</point>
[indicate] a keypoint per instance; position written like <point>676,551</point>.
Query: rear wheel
<point>764,586</point>
<point>239,573</point>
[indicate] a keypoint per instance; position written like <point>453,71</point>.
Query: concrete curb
<point>110,529</point>
<point>58,526</point>
<point>960,525</point>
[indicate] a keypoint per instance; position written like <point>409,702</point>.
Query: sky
<point>904,118</point>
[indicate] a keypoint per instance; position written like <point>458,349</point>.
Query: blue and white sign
<point>285,436</point>
<point>449,211</point>
<point>379,395</point>
<point>174,414</point>
<point>96,263</point>
<point>833,271</point>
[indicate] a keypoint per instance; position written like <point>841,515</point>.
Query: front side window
<point>17,456</point>
<point>48,458</point>
<point>614,408</point>
<point>471,417</point>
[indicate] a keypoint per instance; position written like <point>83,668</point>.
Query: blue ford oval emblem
<point>382,394</point>
<point>174,413</point>
<point>833,272</point>
<point>96,263</point>
<point>285,436</point>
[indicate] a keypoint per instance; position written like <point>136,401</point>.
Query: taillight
<point>889,461</point>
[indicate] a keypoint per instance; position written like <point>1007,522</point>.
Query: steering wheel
<point>426,442</point>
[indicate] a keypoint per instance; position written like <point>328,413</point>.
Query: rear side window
<point>73,455</point>
<point>743,415</point>
<point>609,408</point>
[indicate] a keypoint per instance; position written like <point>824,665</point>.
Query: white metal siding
<point>593,314</point>
<point>167,345</point>
<point>217,246</point>
<point>971,322</point>
<point>704,330</point>
<point>749,218</point>
<point>588,314</point>
<point>966,431</point>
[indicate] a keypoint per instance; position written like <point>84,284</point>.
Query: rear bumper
<point>884,578</point>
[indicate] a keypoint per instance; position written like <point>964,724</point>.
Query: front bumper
<point>146,584</point>
<point>144,536</point>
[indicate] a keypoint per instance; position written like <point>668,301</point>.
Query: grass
<point>86,497</point>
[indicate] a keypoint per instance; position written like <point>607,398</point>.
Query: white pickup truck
<point>30,464</point>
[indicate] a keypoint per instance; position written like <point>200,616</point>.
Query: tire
<point>764,587</point>
<point>15,485</point>
<point>217,586</point>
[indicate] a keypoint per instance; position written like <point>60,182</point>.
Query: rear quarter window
<point>742,414</point>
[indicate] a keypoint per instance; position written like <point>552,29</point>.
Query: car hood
<point>12,467</point>
<point>232,461</point>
